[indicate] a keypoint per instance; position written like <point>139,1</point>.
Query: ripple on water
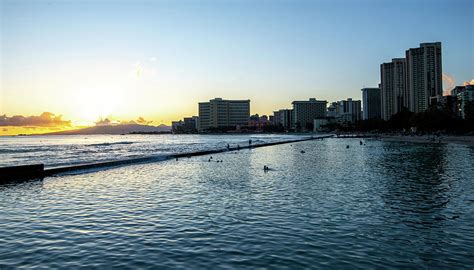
<point>382,205</point>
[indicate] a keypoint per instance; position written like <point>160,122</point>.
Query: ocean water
<point>382,205</point>
<point>56,151</point>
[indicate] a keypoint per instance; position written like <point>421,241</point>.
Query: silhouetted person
<point>250,142</point>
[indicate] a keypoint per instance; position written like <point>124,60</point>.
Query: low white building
<point>464,97</point>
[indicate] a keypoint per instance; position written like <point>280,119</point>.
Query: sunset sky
<point>156,59</point>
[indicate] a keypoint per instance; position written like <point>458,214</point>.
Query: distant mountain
<point>115,129</point>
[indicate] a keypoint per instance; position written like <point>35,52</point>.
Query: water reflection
<point>414,179</point>
<point>416,193</point>
<point>379,205</point>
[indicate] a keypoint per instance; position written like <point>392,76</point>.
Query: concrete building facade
<point>464,97</point>
<point>304,112</point>
<point>187,125</point>
<point>349,111</point>
<point>283,117</point>
<point>372,103</point>
<point>220,113</point>
<point>394,93</point>
<point>424,75</point>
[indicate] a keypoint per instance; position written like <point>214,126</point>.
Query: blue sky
<point>183,52</point>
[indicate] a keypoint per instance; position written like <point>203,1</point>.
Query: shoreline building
<point>284,118</point>
<point>424,75</point>
<point>187,125</point>
<point>371,102</point>
<point>394,93</point>
<point>258,121</point>
<point>467,95</point>
<point>304,112</point>
<point>348,111</point>
<point>331,110</point>
<point>220,113</point>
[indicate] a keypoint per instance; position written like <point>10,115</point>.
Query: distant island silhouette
<point>116,129</point>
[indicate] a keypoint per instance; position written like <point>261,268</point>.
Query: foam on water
<point>54,151</point>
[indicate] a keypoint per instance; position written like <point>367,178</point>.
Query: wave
<point>108,144</point>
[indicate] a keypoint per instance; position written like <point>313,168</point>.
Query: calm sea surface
<point>380,205</point>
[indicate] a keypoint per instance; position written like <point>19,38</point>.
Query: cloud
<point>449,84</point>
<point>144,68</point>
<point>469,83</point>
<point>108,122</point>
<point>142,121</point>
<point>46,119</point>
<point>138,70</point>
<point>104,122</point>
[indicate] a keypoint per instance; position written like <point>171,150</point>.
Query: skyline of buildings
<point>413,83</point>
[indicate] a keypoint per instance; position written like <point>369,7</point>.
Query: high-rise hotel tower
<point>424,75</point>
<point>394,94</point>
<point>220,113</point>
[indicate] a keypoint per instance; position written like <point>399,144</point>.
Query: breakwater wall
<point>37,171</point>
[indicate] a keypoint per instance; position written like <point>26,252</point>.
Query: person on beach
<point>250,143</point>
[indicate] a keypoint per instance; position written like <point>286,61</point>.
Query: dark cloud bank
<point>46,119</point>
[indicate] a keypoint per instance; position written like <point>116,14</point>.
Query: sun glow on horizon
<point>88,104</point>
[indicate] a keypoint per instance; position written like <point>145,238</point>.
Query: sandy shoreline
<point>464,140</point>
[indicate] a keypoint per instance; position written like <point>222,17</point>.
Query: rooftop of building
<point>311,100</point>
<point>224,100</point>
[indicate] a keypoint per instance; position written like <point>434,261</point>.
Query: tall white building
<point>304,112</point>
<point>424,75</point>
<point>394,94</point>
<point>220,113</point>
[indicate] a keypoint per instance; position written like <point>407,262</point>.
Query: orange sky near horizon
<point>121,60</point>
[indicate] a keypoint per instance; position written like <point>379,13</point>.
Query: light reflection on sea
<point>62,150</point>
<point>379,205</point>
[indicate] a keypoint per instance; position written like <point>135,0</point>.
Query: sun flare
<point>91,103</point>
